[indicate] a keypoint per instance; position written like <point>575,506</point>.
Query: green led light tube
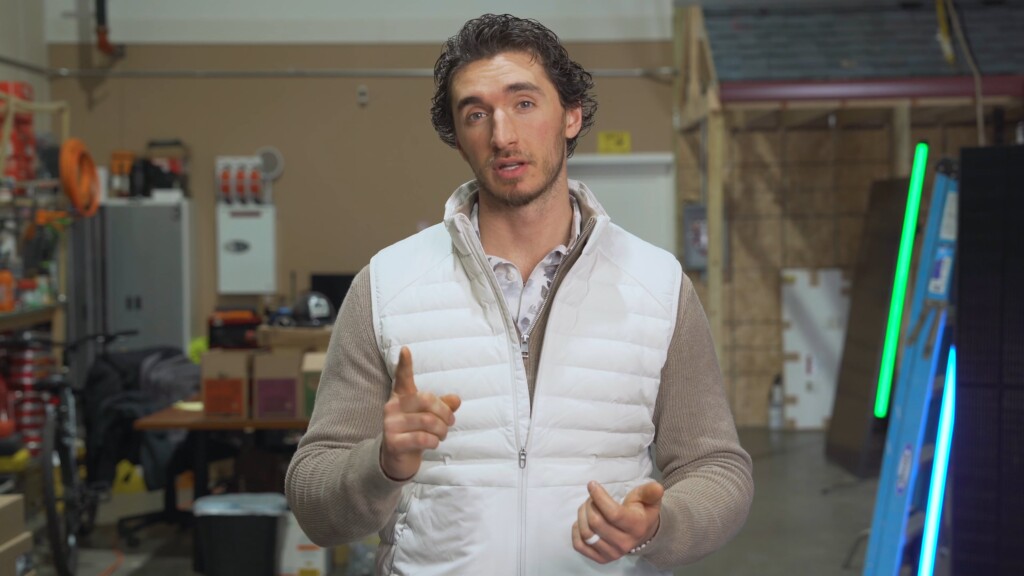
<point>899,286</point>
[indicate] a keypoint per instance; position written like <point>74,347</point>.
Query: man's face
<point>511,127</point>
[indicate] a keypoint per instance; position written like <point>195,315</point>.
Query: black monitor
<point>334,286</point>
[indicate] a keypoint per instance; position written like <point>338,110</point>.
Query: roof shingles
<point>859,44</point>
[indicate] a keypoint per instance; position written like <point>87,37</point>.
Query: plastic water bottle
<point>776,400</point>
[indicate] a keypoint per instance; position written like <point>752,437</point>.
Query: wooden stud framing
<point>952,102</point>
<point>678,27</point>
<point>902,147</point>
<point>716,224</point>
<point>697,101</point>
<point>795,119</point>
<point>699,81</point>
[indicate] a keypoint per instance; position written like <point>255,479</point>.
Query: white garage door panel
<point>637,190</point>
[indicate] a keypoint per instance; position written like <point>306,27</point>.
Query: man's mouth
<point>508,167</point>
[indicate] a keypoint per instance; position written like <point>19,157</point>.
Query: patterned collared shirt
<point>524,299</point>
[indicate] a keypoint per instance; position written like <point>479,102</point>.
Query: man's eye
<point>526,104</point>
<point>475,116</point>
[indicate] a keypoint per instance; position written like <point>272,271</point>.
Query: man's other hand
<point>613,529</point>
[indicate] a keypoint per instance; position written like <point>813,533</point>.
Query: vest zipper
<point>522,511</point>
<point>524,349</point>
<point>524,343</point>
<point>510,329</point>
<point>531,372</point>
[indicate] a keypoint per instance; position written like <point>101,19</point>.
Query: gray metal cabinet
<point>147,271</point>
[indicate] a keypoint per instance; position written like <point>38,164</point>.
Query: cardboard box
<point>12,551</point>
<point>276,390</point>
<point>312,368</point>
<point>297,554</point>
<point>225,376</point>
<point>304,339</point>
<point>12,516</point>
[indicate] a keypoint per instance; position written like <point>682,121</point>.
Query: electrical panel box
<point>239,180</point>
<point>246,229</point>
<point>246,249</point>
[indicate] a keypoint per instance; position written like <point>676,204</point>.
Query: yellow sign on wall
<point>614,142</point>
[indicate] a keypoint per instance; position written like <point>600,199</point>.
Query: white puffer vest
<point>499,495</point>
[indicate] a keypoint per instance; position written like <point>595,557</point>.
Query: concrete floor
<point>805,517</point>
<point>806,512</point>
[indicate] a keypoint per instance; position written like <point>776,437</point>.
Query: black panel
<point>856,439</point>
<point>988,446</point>
<point>976,510</point>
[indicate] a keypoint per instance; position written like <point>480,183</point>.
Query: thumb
<point>648,495</point>
<point>405,385</point>
<point>452,400</point>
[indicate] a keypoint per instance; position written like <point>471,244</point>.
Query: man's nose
<point>503,133</point>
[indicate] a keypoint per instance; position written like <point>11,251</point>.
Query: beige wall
<point>356,178</point>
<point>21,38</point>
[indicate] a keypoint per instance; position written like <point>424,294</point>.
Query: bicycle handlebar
<point>28,338</point>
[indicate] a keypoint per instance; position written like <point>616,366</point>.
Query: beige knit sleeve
<point>334,483</point>
<point>707,474</point>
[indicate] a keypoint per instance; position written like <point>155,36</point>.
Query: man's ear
<point>573,121</point>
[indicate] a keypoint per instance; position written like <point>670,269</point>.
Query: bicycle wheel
<point>61,494</point>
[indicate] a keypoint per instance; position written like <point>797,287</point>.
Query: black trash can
<point>237,533</point>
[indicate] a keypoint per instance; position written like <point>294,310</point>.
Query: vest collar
<point>459,206</point>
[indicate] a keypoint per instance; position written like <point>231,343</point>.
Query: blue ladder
<point>909,497</point>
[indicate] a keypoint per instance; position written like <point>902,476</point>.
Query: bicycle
<point>70,504</point>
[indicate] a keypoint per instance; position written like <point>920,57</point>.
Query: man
<point>551,349</point>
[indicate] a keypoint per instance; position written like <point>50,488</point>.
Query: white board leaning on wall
<point>815,308</point>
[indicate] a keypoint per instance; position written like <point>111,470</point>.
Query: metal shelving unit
<point>27,318</point>
<point>42,194</point>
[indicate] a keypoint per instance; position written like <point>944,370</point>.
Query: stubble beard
<point>511,200</point>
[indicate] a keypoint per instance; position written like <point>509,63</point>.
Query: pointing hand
<point>414,421</point>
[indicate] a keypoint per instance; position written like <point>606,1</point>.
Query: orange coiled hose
<point>79,178</point>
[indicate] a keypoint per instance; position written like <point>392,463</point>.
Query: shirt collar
<point>574,233</point>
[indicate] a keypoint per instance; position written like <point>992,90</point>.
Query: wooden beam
<point>753,119</point>
<point>693,108</point>
<point>716,150</point>
<point>969,102</point>
<point>929,116</point>
<point>902,147</point>
<point>699,91</point>
<point>678,139</point>
<point>24,319</point>
<point>678,34</point>
<point>954,102</point>
<point>907,88</point>
<point>804,116</point>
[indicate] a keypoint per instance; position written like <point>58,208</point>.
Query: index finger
<point>405,385</point>
<point>603,501</point>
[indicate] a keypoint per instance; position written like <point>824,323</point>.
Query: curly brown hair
<point>490,35</point>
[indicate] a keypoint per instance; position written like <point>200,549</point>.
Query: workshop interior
<point>189,188</point>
